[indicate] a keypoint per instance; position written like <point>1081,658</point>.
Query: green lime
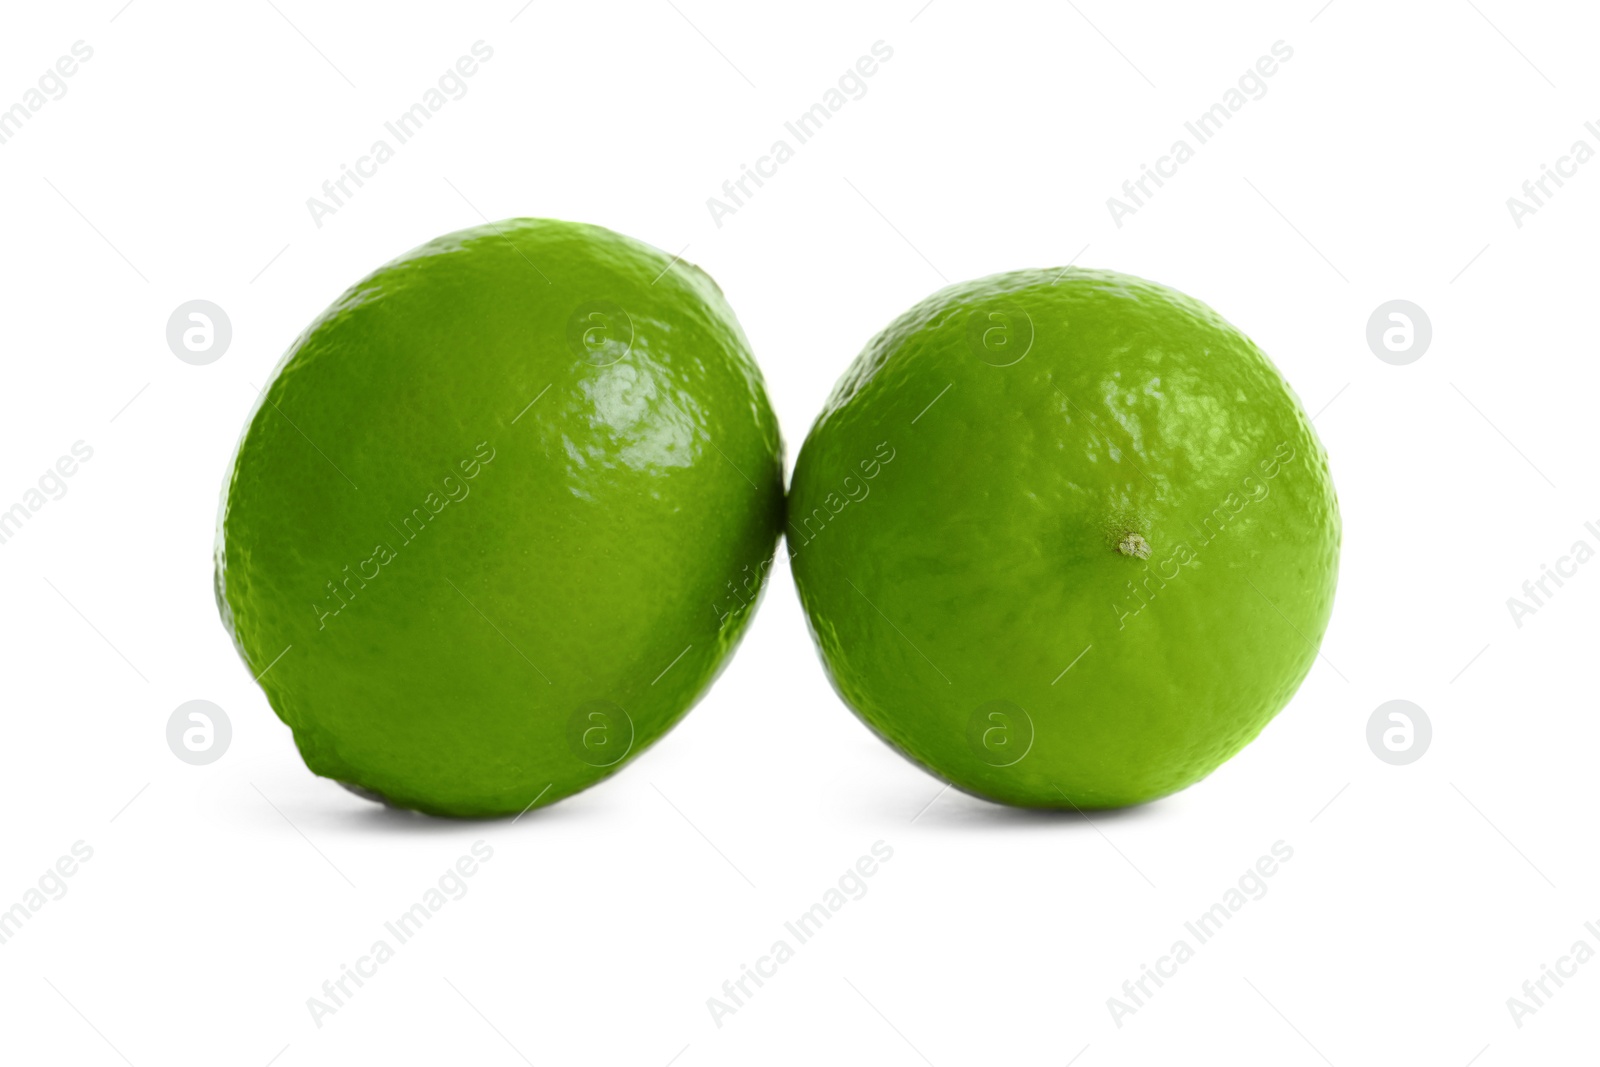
<point>501,516</point>
<point>1064,538</point>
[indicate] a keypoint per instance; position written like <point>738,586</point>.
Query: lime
<point>501,516</point>
<point>1064,538</point>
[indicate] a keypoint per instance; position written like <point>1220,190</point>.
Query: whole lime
<point>501,516</point>
<point>1064,538</point>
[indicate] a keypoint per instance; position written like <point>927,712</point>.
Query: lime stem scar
<point>1134,545</point>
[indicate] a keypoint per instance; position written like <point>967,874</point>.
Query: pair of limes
<point>1066,539</point>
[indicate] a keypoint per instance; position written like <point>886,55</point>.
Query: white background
<point>1377,166</point>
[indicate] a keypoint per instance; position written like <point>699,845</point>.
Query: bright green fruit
<point>501,516</point>
<point>1064,538</point>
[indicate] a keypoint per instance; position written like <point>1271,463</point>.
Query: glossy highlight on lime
<point>1065,538</point>
<point>501,516</point>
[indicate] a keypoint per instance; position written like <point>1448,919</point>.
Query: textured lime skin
<point>1044,431</point>
<point>467,509</point>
